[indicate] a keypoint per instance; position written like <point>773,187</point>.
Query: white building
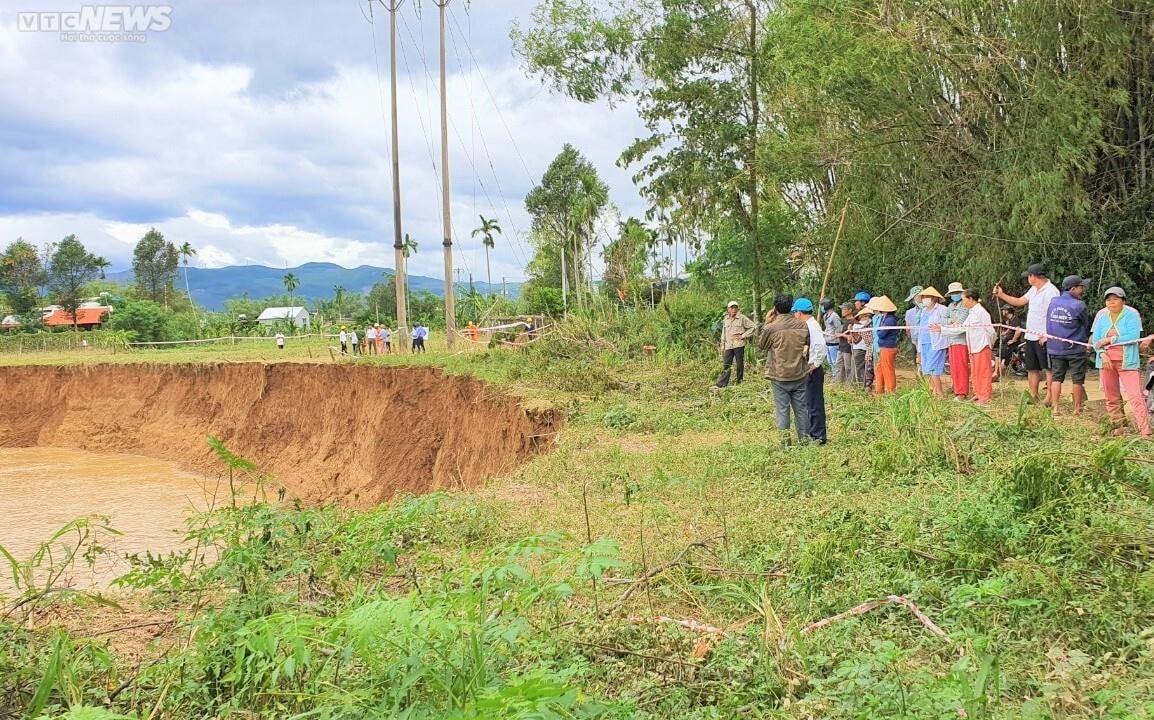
<point>298,316</point>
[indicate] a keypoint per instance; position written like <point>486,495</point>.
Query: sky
<point>257,131</point>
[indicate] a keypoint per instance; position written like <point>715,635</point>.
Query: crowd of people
<point>859,342</point>
<point>378,340</point>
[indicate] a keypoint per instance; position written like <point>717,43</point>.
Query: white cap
<point>732,303</point>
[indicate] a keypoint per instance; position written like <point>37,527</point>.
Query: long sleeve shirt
<point>974,330</point>
<point>956,314</point>
<point>817,353</point>
<point>833,328</point>
<point>735,331</point>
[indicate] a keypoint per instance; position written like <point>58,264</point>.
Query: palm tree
<point>338,299</point>
<point>101,264</point>
<point>186,251</point>
<point>290,283</point>
<point>488,227</point>
<point>409,247</point>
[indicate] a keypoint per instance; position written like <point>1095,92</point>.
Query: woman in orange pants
<point>886,376</point>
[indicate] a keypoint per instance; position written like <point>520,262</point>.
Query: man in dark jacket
<point>786,343</point>
<point>1068,319</point>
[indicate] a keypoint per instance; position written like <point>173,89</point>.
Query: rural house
<point>89,316</point>
<point>298,316</point>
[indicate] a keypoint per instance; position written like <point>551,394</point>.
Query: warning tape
<point>1002,326</point>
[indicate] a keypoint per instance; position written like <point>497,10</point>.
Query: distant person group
<point>859,342</point>
<point>378,340</point>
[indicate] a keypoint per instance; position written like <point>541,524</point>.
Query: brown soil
<point>357,435</point>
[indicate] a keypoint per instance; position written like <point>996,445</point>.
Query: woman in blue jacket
<point>1115,334</point>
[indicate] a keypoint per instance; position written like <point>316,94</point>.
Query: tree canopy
<point>960,140</point>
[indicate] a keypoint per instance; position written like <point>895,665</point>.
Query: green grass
<point>1027,540</point>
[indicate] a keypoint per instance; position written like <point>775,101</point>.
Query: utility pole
<point>401,277</point>
<point>450,298</point>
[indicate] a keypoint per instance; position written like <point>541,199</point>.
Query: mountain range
<point>212,286</point>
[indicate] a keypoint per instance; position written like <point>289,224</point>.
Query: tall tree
<point>339,299</point>
<point>488,228</point>
<point>693,69</point>
<point>70,268</point>
<point>187,251</point>
<point>625,259</point>
<point>154,263</point>
<point>565,208</point>
<point>21,276</point>
<point>290,285</point>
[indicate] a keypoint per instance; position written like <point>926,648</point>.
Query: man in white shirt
<point>280,341</point>
<point>386,335</point>
<point>1037,302</point>
<point>815,380</point>
<point>344,338</point>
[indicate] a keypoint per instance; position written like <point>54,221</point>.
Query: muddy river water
<point>147,500</point>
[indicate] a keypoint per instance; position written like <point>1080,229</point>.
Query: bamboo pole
<point>833,251</point>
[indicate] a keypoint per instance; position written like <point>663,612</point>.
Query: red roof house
<point>88,318</point>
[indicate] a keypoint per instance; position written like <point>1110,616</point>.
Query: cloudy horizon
<point>258,133</point>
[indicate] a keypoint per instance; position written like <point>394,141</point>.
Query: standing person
<point>344,337</point>
<point>736,329</point>
<point>371,340</point>
<point>380,339</point>
<point>860,300</point>
<point>958,349</point>
<point>1008,340</point>
<point>979,336</point>
<point>1116,331</point>
<point>931,345</point>
<point>385,336</point>
<point>913,317</point>
<point>1037,303</point>
<point>860,344</point>
<point>1068,327</point>
<point>355,341</point>
<point>279,340</point>
<point>472,331</point>
<point>832,335</point>
<point>786,344</point>
<point>418,337</point>
<point>847,374</point>
<point>815,380</point>
<point>886,377</point>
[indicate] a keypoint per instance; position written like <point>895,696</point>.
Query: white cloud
<point>303,175</point>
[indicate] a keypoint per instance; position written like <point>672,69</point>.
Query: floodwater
<point>146,500</point>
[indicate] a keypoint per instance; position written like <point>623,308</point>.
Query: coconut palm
<point>101,264</point>
<point>187,251</point>
<point>409,247</point>
<point>290,284</point>
<point>338,299</point>
<point>486,231</point>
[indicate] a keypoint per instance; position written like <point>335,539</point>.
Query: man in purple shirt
<point>1068,319</point>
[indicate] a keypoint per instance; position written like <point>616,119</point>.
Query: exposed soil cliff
<point>357,435</point>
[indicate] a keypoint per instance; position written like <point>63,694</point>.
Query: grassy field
<point>668,559</point>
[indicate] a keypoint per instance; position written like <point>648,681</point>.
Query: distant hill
<point>212,286</point>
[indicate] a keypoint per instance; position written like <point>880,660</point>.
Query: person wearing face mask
<point>959,354</point>
<point>932,344</point>
<point>1115,334</point>
<point>1037,303</point>
<point>979,337</point>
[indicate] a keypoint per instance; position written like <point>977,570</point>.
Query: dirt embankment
<point>356,435</point>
